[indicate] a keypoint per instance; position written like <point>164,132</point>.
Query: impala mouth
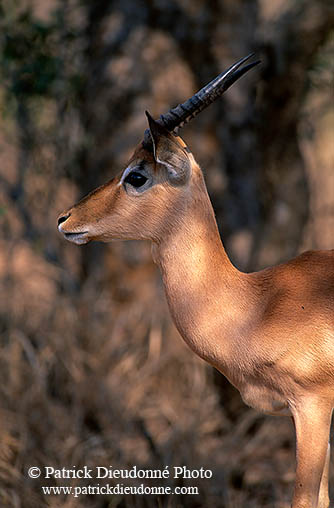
<point>78,238</point>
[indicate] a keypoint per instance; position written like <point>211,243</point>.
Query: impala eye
<point>135,179</point>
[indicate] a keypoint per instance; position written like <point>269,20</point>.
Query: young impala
<point>271,333</point>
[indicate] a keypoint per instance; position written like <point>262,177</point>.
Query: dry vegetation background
<point>93,371</point>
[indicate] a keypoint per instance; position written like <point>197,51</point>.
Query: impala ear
<point>168,152</point>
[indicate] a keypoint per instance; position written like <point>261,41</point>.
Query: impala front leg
<point>323,494</point>
<point>312,421</point>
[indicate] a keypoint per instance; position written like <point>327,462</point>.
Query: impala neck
<point>206,294</point>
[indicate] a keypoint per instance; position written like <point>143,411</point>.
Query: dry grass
<point>101,377</point>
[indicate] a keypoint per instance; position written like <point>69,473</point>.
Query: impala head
<point>136,203</point>
<point>145,199</point>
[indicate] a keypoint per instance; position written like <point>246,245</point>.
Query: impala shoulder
<point>311,264</point>
<point>298,291</point>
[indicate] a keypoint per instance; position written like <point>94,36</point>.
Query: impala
<point>271,333</point>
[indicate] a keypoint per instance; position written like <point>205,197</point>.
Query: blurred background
<point>93,371</point>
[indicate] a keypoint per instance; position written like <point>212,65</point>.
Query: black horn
<point>181,114</point>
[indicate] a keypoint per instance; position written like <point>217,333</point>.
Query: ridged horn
<point>181,114</point>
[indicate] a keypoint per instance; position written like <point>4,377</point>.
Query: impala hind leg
<point>312,422</point>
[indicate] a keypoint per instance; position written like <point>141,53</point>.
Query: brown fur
<point>271,333</point>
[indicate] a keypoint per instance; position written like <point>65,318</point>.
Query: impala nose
<point>63,218</point>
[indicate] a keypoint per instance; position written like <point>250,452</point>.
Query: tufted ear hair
<point>168,152</point>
